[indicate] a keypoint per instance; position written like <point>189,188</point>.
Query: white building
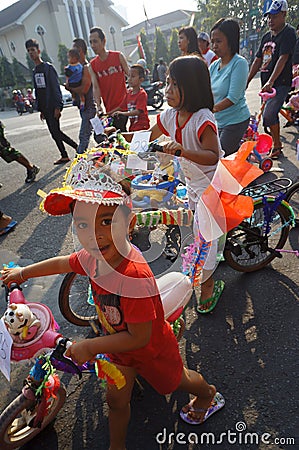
<point>54,22</point>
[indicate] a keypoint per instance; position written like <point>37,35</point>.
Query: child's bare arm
<point>52,266</point>
<point>137,336</point>
<point>133,112</point>
<point>207,156</point>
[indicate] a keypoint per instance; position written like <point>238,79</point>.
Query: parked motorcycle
<point>155,97</point>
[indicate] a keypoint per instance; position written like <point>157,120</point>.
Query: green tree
<point>45,57</point>
<point>62,56</point>
<point>30,63</point>
<point>148,54</point>
<point>6,73</point>
<point>173,45</point>
<point>20,80</point>
<point>160,47</point>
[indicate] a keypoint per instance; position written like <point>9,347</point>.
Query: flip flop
<point>9,227</point>
<point>217,291</point>
<point>218,403</point>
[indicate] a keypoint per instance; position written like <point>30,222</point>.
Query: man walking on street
<point>274,60</point>
<point>49,98</point>
<point>85,89</point>
<point>108,70</point>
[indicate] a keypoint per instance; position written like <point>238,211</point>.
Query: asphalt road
<point>247,347</point>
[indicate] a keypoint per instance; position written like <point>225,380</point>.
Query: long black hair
<point>193,80</point>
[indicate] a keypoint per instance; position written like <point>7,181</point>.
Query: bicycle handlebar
<point>154,147</point>
<point>59,354</point>
<point>266,95</point>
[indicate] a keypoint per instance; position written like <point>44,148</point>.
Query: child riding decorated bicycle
<point>138,340</point>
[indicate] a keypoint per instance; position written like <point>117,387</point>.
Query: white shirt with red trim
<point>198,177</point>
<point>209,56</point>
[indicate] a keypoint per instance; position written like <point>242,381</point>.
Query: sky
<point>134,8</point>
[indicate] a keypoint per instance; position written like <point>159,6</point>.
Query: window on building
<point>12,46</point>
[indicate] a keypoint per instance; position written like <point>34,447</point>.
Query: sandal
<point>217,291</point>
<point>8,228</point>
<point>276,152</point>
<point>217,403</point>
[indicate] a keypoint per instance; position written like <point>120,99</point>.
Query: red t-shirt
<point>111,79</point>
<point>129,294</point>
<point>137,101</point>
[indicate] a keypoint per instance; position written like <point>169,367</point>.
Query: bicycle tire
<point>21,436</point>
<point>72,300</point>
<point>245,252</point>
<point>292,197</point>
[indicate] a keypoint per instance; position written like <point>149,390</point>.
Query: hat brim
<point>272,12</point>
<point>58,203</point>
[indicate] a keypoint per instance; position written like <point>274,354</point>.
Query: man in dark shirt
<point>274,60</point>
<point>49,98</point>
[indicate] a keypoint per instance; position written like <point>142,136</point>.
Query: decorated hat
<point>276,7</point>
<point>87,181</point>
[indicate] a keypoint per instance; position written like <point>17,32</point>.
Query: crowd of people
<point>206,118</point>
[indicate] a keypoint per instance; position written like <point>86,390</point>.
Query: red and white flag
<point>220,207</point>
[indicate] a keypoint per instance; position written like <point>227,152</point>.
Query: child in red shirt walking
<point>135,102</point>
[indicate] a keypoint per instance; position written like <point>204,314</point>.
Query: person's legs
<point>231,135</point>
<point>85,129</point>
<point>194,383</point>
<point>119,409</point>
<point>270,115</point>
<point>53,126</point>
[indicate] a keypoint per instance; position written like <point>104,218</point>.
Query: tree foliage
<point>30,63</point>
<point>45,57</point>
<point>62,56</point>
<point>173,45</point>
<point>7,78</point>
<point>160,46</point>
<point>249,13</point>
<point>20,80</point>
<point>147,52</point>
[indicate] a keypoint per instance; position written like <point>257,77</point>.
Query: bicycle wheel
<point>14,431</point>
<point>248,248</point>
<point>73,299</point>
<point>293,199</point>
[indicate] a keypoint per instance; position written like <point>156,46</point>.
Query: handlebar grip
<point>154,147</point>
<point>266,95</point>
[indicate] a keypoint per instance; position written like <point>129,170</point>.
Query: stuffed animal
<point>21,322</point>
